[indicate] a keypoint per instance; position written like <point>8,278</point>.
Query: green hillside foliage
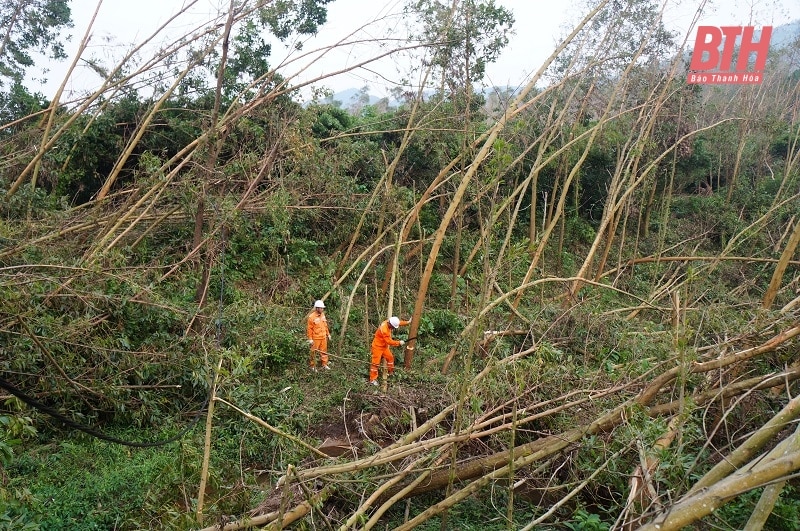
<point>159,253</point>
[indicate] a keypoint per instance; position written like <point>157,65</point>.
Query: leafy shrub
<point>585,521</point>
<point>263,337</point>
<point>578,230</point>
<point>785,514</point>
<point>29,201</point>
<point>439,323</point>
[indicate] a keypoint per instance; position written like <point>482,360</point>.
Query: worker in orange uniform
<point>318,335</point>
<point>380,346</point>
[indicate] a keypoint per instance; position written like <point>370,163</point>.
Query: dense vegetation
<point>601,270</point>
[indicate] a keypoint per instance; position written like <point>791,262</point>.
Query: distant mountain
<point>353,99</point>
<point>785,34</point>
<point>349,96</point>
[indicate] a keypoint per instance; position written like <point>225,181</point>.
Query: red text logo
<point>712,59</point>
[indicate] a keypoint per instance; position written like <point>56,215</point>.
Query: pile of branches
<point>710,385</point>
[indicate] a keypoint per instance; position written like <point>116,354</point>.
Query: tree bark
<point>772,492</point>
<point>780,269</point>
<point>704,502</point>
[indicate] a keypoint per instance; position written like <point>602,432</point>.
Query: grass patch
<point>81,483</point>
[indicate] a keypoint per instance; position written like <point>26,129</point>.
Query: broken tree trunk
<point>705,501</point>
<point>289,517</point>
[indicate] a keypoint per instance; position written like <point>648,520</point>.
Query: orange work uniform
<point>317,331</point>
<point>380,349</point>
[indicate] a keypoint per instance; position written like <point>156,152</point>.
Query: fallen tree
<point>420,474</point>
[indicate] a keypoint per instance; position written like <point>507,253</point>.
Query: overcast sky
<point>538,25</point>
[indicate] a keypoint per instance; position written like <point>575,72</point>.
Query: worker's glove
<point>329,336</point>
<point>310,341</point>
<point>402,342</point>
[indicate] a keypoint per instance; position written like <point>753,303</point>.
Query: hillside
<point>598,288</point>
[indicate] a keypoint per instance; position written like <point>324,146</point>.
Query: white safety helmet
<point>394,321</point>
<point>319,304</point>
